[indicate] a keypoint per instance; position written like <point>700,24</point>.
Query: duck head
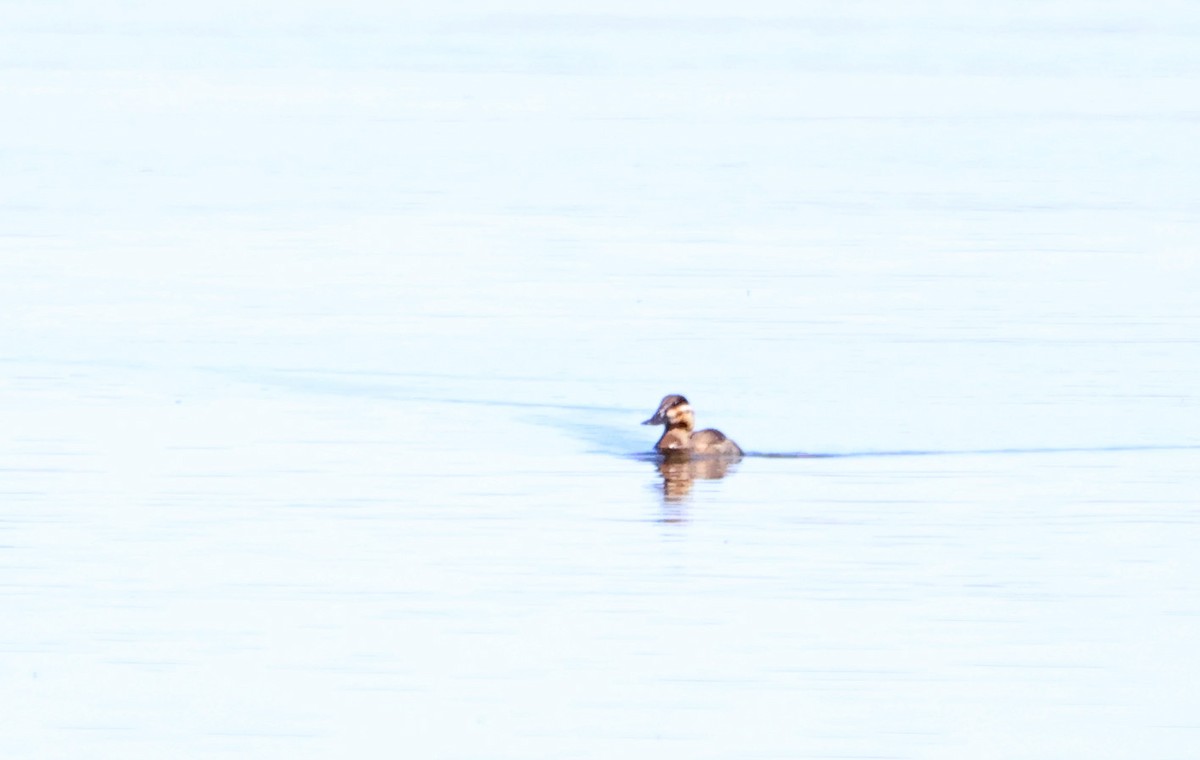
<point>673,411</point>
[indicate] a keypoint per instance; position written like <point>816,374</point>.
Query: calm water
<point>325,333</point>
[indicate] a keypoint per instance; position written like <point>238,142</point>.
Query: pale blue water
<point>325,333</point>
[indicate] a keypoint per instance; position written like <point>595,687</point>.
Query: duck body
<point>680,436</point>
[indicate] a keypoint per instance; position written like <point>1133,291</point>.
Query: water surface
<point>327,332</point>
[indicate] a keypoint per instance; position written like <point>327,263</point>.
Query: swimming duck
<point>680,435</point>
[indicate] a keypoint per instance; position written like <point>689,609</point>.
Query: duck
<point>680,436</point>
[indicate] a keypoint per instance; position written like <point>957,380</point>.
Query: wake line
<point>967,452</point>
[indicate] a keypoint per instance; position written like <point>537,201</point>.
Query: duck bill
<point>657,419</point>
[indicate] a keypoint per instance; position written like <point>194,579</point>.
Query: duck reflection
<point>679,469</point>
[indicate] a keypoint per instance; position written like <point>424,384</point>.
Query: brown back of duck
<point>714,442</point>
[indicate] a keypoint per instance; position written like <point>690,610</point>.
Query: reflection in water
<point>679,469</point>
